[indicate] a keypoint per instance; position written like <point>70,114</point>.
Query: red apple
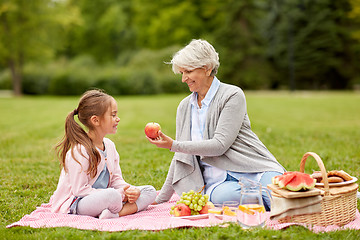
<point>152,130</point>
<point>206,208</point>
<point>182,210</point>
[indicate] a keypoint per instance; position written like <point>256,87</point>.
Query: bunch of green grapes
<point>195,200</point>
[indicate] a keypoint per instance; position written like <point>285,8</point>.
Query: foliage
<point>288,124</point>
<point>28,31</point>
<point>140,75</point>
<point>241,47</point>
<point>103,30</point>
<point>355,15</point>
<point>5,80</point>
<point>312,41</point>
<point>276,44</point>
<point>170,21</point>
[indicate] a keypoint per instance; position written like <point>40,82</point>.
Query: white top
<point>213,176</point>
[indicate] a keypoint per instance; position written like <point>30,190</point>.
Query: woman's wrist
<point>171,143</point>
<point>172,146</point>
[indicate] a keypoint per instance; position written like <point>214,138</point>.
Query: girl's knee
<point>113,195</point>
<point>149,191</point>
<point>147,197</point>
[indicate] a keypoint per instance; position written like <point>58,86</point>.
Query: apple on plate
<point>152,130</point>
<point>181,210</point>
<point>206,208</point>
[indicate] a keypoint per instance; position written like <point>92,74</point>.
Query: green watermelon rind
<point>301,181</point>
<point>288,179</point>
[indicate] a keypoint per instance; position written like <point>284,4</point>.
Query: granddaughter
<point>91,182</point>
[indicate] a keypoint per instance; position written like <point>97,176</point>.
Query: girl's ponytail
<point>93,102</point>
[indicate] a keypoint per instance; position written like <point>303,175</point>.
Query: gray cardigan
<point>228,143</point>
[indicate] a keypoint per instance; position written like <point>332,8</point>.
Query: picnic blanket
<point>155,217</point>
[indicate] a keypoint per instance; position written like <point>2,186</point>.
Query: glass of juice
<point>215,214</point>
<point>229,210</point>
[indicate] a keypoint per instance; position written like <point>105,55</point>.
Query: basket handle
<point>322,168</point>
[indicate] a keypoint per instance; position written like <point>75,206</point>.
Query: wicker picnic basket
<point>338,205</point>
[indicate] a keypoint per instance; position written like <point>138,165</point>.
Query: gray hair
<point>197,54</point>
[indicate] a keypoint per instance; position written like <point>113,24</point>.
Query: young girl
<point>91,182</point>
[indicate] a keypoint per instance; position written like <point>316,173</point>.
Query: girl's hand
<point>132,194</point>
<point>124,189</point>
<point>163,141</point>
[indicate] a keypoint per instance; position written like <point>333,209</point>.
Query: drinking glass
<point>229,209</point>
<point>214,214</point>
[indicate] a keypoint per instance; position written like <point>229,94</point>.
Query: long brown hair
<point>92,102</point>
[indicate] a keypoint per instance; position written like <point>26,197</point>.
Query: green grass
<point>289,125</point>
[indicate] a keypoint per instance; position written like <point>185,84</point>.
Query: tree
<point>241,46</point>
<point>310,39</point>
<point>355,15</point>
<point>103,31</point>
<point>171,22</point>
<point>28,31</point>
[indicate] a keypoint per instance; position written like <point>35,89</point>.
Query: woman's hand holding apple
<point>162,141</point>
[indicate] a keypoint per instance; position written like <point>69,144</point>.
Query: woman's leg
<point>230,190</point>
<point>265,180</point>
<point>226,191</point>
<point>106,199</point>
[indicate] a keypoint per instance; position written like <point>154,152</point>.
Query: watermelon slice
<point>294,181</point>
<point>301,181</point>
<point>284,181</point>
<point>275,180</point>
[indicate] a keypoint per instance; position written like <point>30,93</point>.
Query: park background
<point>63,47</point>
<point>297,60</point>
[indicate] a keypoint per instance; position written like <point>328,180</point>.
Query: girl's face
<point>110,120</point>
<point>198,80</point>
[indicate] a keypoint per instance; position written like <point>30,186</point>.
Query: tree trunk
<point>16,77</point>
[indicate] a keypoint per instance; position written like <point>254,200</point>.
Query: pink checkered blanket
<point>155,217</point>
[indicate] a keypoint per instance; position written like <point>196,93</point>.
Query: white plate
<point>193,217</point>
<point>200,216</point>
<point>354,179</point>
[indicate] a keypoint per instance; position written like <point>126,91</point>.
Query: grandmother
<point>214,144</point>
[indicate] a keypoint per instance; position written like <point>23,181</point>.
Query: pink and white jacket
<point>77,183</point>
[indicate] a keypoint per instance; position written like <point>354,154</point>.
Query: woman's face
<point>198,79</point>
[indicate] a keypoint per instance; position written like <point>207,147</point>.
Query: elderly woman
<point>214,144</point>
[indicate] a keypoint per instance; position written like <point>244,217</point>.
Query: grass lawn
<point>289,124</point>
